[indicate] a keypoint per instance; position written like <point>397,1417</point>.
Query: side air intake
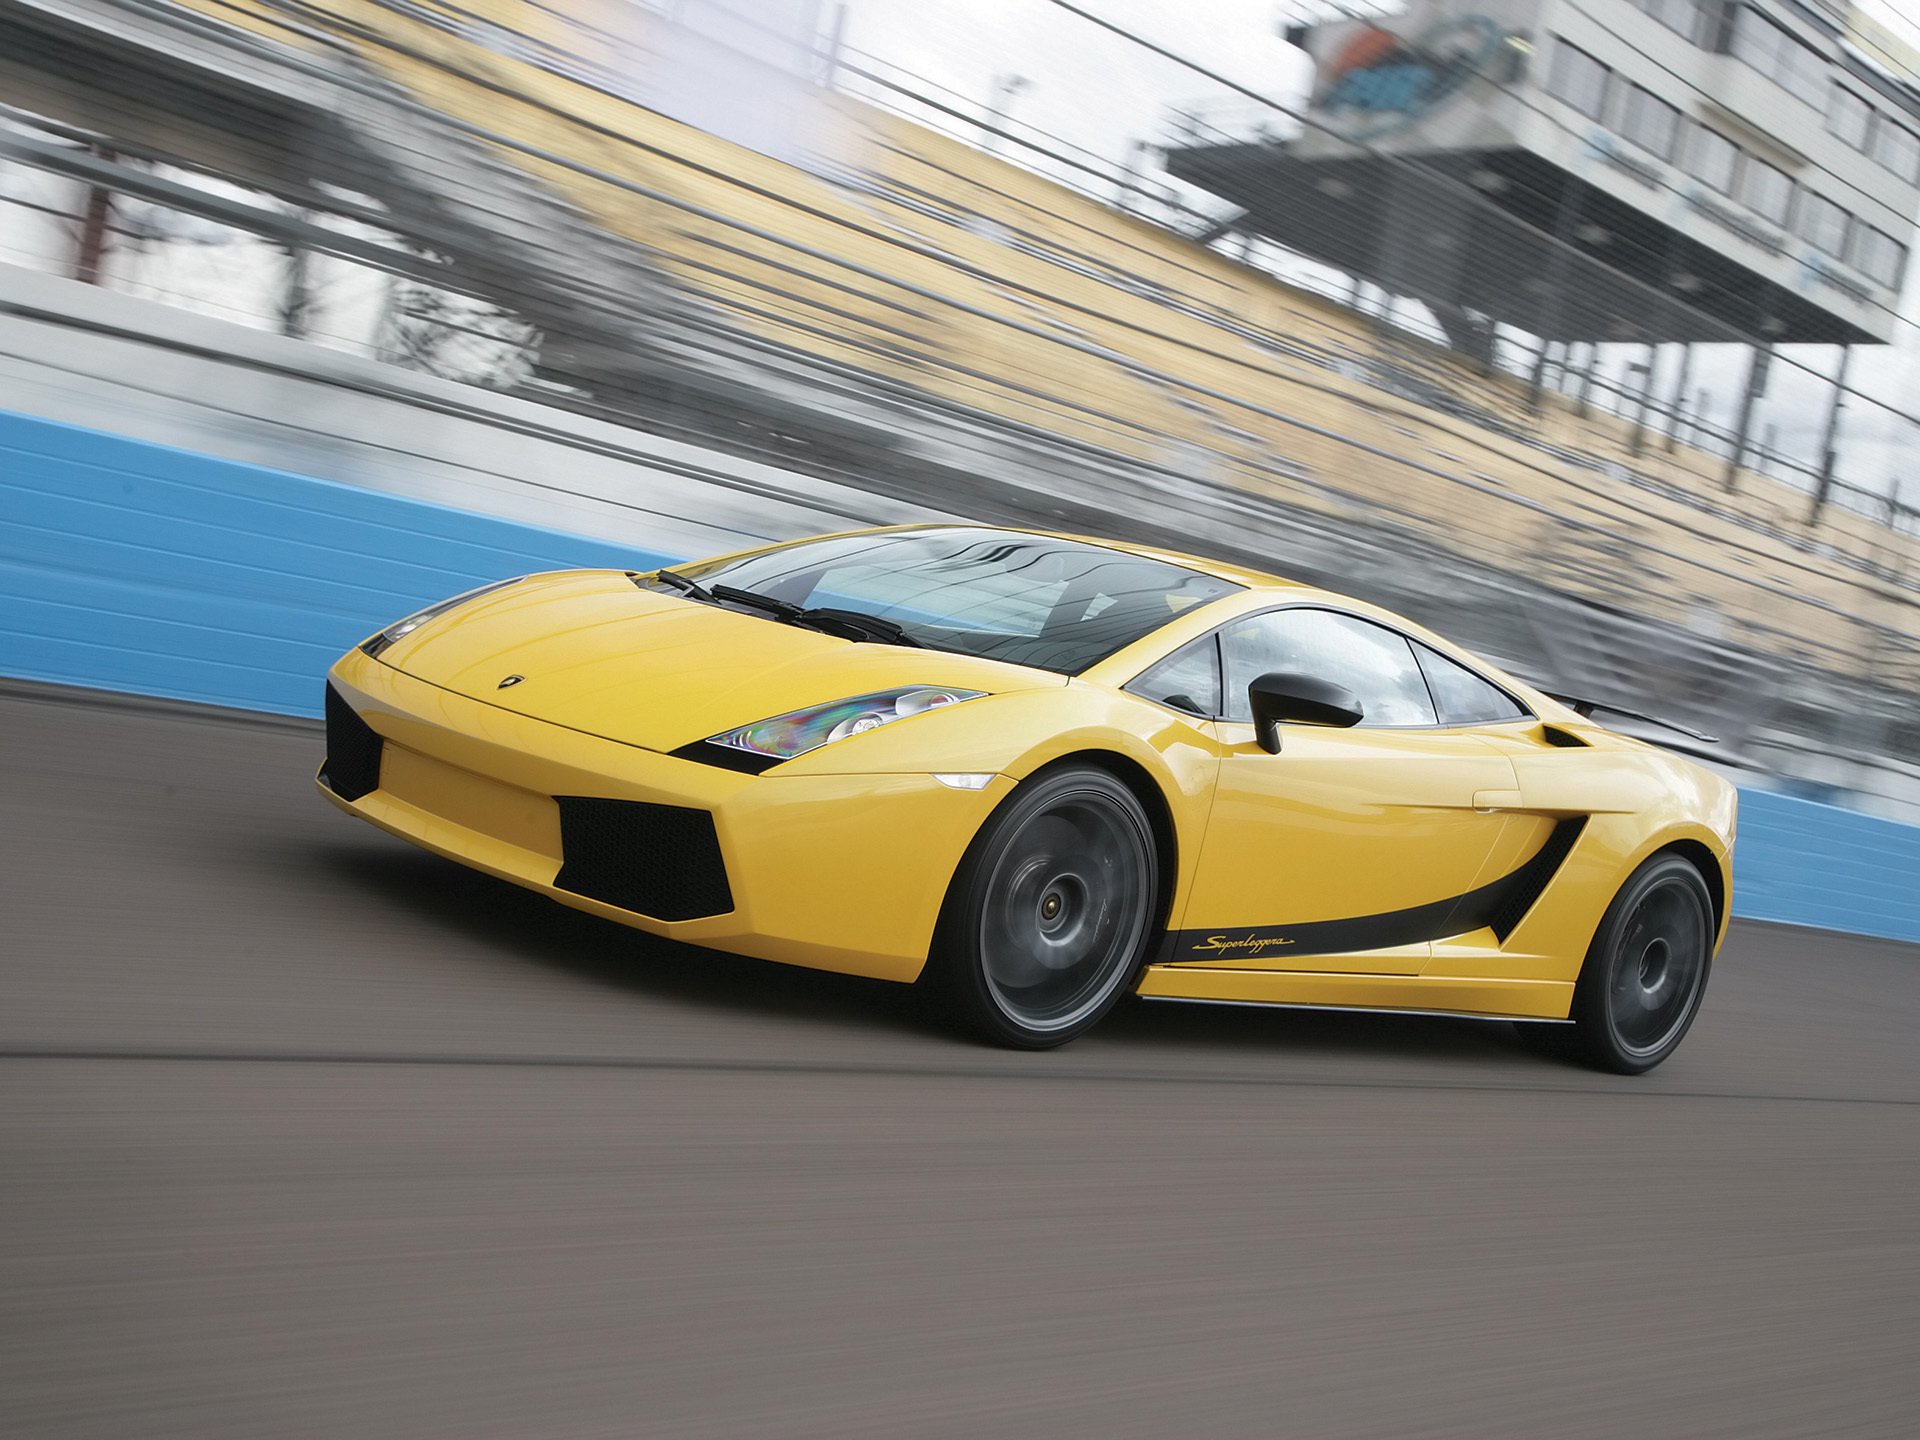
<point>1527,884</point>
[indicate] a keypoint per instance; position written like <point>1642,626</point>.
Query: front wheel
<point>1647,971</point>
<point>1051,911</point>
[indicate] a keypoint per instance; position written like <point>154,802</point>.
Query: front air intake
<point>657,860</point>
<point>353,751</point>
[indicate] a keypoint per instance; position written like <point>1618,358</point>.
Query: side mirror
<point>1280,697</point>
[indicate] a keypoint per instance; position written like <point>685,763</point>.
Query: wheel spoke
<point>1658,965</point>
<point>1064,911</point>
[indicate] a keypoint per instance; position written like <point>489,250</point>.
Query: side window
<point>1712,158</point>
<point>1577,78</point>
<point>1463,697</point>
<point>1375,663</point>
<point>1188,679</point>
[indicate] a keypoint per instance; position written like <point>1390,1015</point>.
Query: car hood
<point>596,653</point>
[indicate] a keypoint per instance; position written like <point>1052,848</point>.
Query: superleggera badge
<point>1252,944</point>
<point>510,680</point>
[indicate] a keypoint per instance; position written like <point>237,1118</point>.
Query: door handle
<point>1490,800</point>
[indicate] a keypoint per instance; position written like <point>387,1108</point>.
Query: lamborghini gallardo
<point>1035,773</point>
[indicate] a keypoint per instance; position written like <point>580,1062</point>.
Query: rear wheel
<point>1645,974</point>
<point>1050,914</point>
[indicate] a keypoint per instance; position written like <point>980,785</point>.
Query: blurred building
<point>1734,169</point>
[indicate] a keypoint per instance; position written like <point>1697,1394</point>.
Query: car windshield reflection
<point>1054,604</point>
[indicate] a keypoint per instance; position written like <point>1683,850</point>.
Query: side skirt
<point>1492,998</point>
<point>1358,1010</point>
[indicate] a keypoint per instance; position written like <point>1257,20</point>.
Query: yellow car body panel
<point>644,668</point>
<point>1321,875</point>
<point>1368,855</point>
<point>819,862</point>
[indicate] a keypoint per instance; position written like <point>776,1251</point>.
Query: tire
<point>1646,973</point>
<point>1051,912</point>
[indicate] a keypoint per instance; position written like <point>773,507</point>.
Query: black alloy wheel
<point>1646,973</point>
<point>1049,917</point>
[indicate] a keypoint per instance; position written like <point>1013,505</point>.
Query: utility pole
<point>1756,386</point>
<point>95,226</point>
<point>1828,455</point>
<point>1678,411</point>
<point>1130,168</point>
<point>296,288</point>
<point>836,41</point>
<point>1566,219</point>
<point>1005,88</point>
<point>1644,369</point>
<point>1587,367</point>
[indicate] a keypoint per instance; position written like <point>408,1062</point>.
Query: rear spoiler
<point>1585,707</point>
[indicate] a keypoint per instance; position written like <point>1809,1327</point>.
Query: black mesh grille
<point>1530,881</point>
<point>353,751</point>
<point>658,860</point>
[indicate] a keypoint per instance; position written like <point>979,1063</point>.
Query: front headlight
<point>402,628</point>
<point>785,736</point>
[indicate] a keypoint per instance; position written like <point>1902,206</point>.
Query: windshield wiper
<point>829,620</point>
<point>685,586</point>
<point>772,604</point>
<point>863,626</point>
<point>847,624</point>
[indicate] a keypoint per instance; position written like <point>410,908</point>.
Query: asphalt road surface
<point>306,1133</point>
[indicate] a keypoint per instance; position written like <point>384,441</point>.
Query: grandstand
<point>486,187</point>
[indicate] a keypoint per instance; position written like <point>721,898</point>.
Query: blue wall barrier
<point>1805,863</point>
<point>131,566</point>
<point>135,567</point>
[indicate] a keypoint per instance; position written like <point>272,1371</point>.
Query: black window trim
<point>1211,637</point>
<point>1526,715</point>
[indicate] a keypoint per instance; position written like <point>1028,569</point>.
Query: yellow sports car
<point>1035,772</point>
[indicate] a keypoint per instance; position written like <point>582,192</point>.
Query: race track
<point>306,1133</point>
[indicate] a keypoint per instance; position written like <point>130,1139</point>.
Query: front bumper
<point>837,872</point>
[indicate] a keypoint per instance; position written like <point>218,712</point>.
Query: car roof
<point>1295,591</point>
<point>1219,569</point>
<point>1260,582</point>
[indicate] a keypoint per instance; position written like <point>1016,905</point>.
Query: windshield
<point>1056,604</point>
